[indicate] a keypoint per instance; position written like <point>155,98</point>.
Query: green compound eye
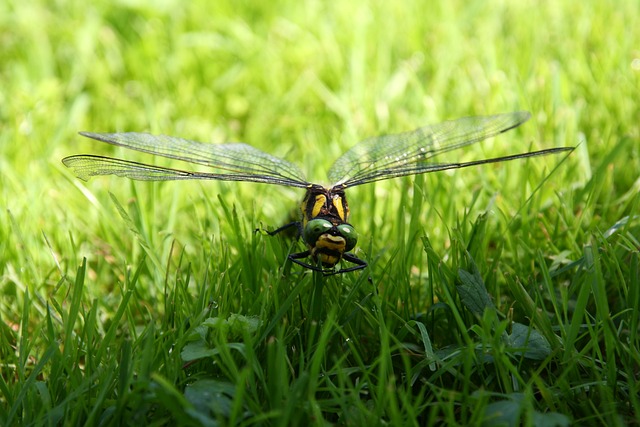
<point>349,234</point>
<point>314,229</point>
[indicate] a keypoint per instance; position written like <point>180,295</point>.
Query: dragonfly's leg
<point>297,256</point>
<point>359,264</point>
<point>297,224</point>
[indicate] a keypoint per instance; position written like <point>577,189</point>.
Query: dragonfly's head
<point>329,241</point>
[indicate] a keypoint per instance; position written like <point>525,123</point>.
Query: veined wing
<point>238,162</point>
<point>410,153</point>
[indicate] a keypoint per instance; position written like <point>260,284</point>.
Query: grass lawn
<point>504,294</point>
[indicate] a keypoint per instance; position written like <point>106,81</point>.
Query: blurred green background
<point>304,80</point>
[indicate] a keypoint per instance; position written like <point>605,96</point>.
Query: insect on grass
<point>324,226</point>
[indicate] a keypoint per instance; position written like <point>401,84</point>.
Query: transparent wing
<point>410,153</point>
<point>238,162</point>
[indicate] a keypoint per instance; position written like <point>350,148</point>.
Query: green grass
<point>501,295</point>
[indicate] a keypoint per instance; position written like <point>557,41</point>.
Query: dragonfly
<point>324,225</point>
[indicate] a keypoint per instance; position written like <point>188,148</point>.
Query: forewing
<point>414,152</point>
<point>230,162</point>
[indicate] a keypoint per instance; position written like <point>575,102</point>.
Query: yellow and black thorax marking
<point>328,203</point>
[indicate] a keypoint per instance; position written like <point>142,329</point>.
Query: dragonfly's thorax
<point>328,203</point>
